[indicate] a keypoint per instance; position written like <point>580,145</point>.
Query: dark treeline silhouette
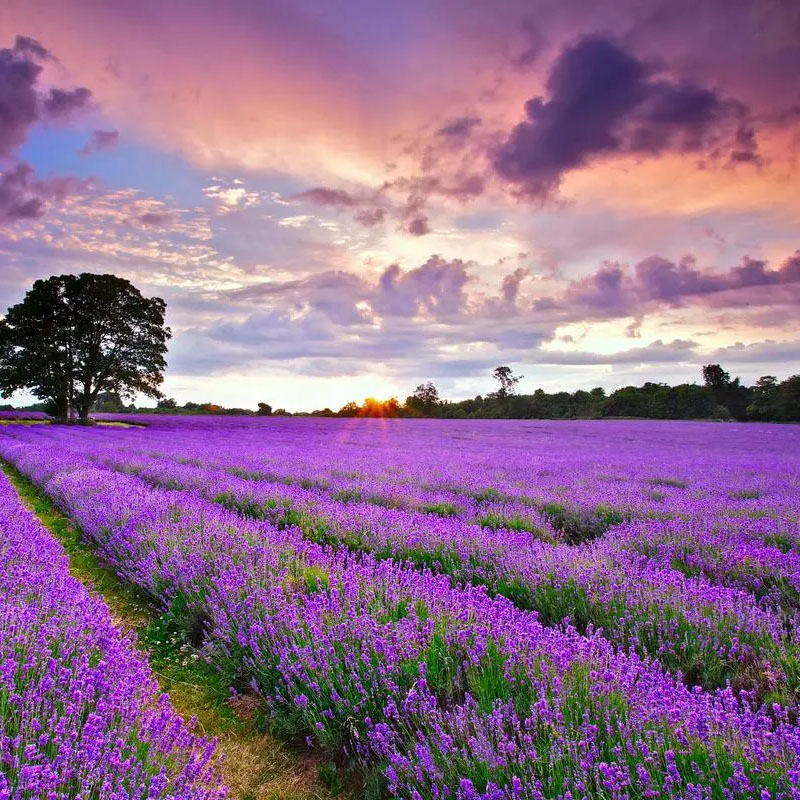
<point>719,397</point>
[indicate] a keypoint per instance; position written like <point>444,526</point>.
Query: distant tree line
<point>719,397</point>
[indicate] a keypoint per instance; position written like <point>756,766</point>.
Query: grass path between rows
<point>256,765</point>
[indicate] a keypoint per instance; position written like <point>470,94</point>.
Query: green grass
<point>676,483</point>
<point>257,765</point>
<point>745,494</point>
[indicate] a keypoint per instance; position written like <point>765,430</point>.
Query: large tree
<point>729,393</point>
<point>508,381</point>
<point>74,336</point>
<point>425,399</point>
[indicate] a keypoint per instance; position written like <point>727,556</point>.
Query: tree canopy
<point>508,381</point>
<point>75,336</point>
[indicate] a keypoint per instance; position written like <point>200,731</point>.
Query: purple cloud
<point>602,100</point>
<point>657,352</point>
<point>100,140</point>
<point>323,196</point>
<point>613,291</point>
<point>61,104</point>
<point>436,287</point>
<point>509,290</point>
<point>19,101</point>
<point>370,217</point>
<point>419,226</point>
<point>18,199</point>
<point>24,45</point>
<point>459,128</point>
<point>156,219</point>
<point>24,197</point>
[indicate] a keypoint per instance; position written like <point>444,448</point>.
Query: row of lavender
<point>455,693</point>
<point>626,468</point>
<point>716,601</point>
<point>80,716</point>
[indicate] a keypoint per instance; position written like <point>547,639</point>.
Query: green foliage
<point>440,509</point>
<point>424,401</point>
<point>508,381</point>
<point>74,336</point>
<point>728,393</point>
<point>109,403</point>
<point>720,398</point>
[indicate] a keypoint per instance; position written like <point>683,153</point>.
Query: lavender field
<point>484,609</point>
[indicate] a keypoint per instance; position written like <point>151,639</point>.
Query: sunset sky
<point>345,198</point>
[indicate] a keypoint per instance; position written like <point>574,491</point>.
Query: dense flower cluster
<point>508,663</point>
<point>80,716</point>
<point>712,628</point>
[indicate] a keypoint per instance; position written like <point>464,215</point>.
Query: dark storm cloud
<point>601,100</point>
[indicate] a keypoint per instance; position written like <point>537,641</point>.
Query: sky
<point>343,199</point>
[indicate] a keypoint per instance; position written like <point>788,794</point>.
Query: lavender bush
<point>454,689</point>
<point>80,714</point>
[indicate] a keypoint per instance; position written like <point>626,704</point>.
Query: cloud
<point>25,197</point>
<point>24,45</point>
<point>601,100</point>
<point>18,199</point>
<point>22,106</point>
<point>459,128</point>
<point>324,196</point>
<point>100,140</point>
<point>156,219</point>
<point>19,99</point>
<point>231,197</point>
<point>634,330</point>
<point>655,281</point>
<point>418,226</point>
<point>759,352</point>
<point>61,104</point>
<point>436,288</point>
<point>510,287</point>
<point>369,217</point>
<point>657,352</point>
<point>21,102</point>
